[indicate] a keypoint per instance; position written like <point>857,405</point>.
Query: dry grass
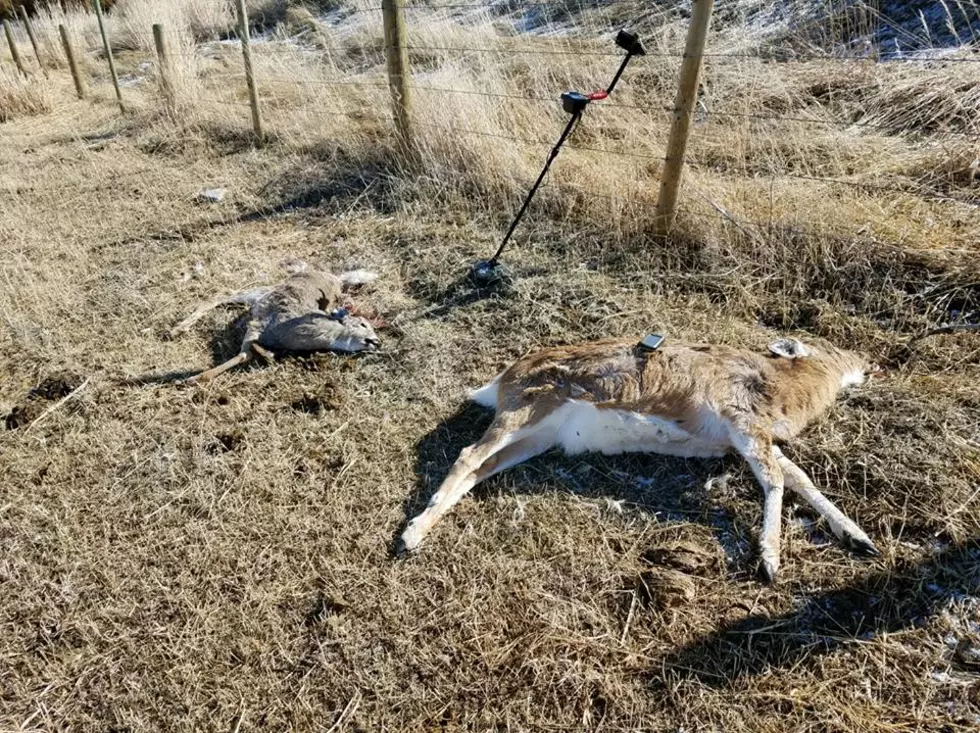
<point>22,97</point>
<point>218,558</point>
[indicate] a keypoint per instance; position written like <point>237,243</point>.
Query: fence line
<point>541,143</point>
<point>666,110</point>
<point>916,189</point>
<point>727,217</point>
<point>498,5</point>
<point>782,56</point>
<point>625,198</point>
<point>911,188</point>
<point>696,165</point>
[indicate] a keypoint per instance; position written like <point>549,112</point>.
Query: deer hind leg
<point>262,352</point>
<point>843,528</point>
<point>248,297</point>
<point>197,315</point>
<point>755,446</point>
<point>498,450</point>
<point>240,358</point>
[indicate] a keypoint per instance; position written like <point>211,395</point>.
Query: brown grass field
<point>219,557</point>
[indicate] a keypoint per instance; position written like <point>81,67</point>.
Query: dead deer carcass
<point>681,400</point>
<point>299,314</point>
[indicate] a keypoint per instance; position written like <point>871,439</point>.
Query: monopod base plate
<point>488,273</point>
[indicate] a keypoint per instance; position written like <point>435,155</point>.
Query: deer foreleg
<point>496,451</point>
<point>843,528</point>
<point>247,297</point>
<point>240,358</point>
<point>756,447</point>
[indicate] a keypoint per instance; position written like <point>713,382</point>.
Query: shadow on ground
<point>902,597</point>
<point>364,183</point>
<point>461,293</point>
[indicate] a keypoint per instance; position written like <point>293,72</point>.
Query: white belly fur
<point>581,427</point>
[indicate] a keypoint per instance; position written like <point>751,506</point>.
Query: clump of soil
<point>685,557</point>
<point>325,397</point>
<point>51,389</point>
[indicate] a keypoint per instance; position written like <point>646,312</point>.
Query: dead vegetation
<point>220,557</point>
<point>21,97</point>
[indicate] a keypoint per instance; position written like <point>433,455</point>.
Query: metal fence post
<point>108,53</point>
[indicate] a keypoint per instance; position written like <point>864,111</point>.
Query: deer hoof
<point>410,540</point>
<point>769,568</point>
<point>862,546</point>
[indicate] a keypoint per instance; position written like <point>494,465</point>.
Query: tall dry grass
<point>83,28</point>
<point>22,97</point>
<point>486,111</point>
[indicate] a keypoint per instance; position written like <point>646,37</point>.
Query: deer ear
<point>789,349</point>
<point>323,302</point>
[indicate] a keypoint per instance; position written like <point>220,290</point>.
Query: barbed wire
<point>665,109</point>
<point>911,188</point>
<point>633,153</point>
<point>878,187</point>
<point>630,198</point>
<point>722,214</point>
<point>523,5</point>
<point>542,143</point>
<point>473,92</point>
<point>697,165</point>
<point>520,51</point>
<point>651,109</point>
<point>783,55</point>
<point>226,102</point>
<point>833,123</point>
<point>778,55</point>
<point>916,190</point>
<point>311,82</point>
<point>505,6</point>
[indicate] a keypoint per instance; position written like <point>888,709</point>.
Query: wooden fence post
<point>687,93</point>
<point>70,53</point>
<point>108,54</point>
<point>166,83</point>
<point>396,52</point>
<point>14,53</point>
<point>253,93</point>
<point>33,38</point>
